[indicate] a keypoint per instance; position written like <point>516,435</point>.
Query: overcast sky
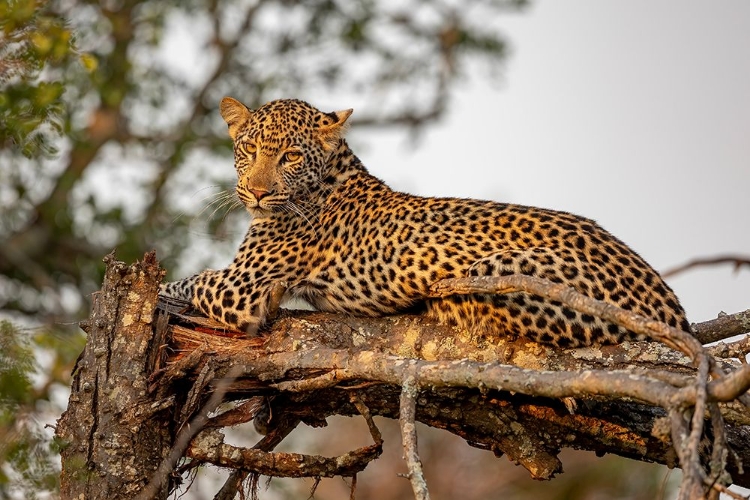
<point>635,114</point>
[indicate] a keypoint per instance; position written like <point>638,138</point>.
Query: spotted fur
<point>341,239</point>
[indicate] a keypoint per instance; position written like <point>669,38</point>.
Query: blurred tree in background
<point>109,138</point>
<point>140,132</point>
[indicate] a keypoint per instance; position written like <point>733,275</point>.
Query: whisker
<point>290,205</point>
<point>229,201</point>
<point>224,201</point>
<point>219,198</point>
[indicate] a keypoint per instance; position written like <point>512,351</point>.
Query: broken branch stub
<point>113,433</point>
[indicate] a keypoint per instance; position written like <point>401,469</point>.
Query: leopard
<point>339,238</point>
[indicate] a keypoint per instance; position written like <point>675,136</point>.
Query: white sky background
<point>635,114</point>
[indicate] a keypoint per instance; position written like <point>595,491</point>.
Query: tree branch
<point>725,326</point>
<point>737,260</point>
<point>209,447</point>
<point>694,478</point>
<point>406,418</point>
<point>673,337</point>
<point>335,368</point>
<point>633,399</point>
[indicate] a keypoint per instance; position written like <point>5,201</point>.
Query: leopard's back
<point>388,248</point>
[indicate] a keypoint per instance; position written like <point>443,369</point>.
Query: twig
<point>730,387</point>
<point>241,414</point>
<point>314,487</point>
<point>377,437</point>
<point>739,349</point>
<point>737,260</point>
<point>407,416</point>
<point>187,433</point>
<point>353,489</point>
<point>720,450</point>
<point>282,429</point>
<point>723,489</point>
<point>693,480</point>
<point>231,486</point>
<point>656,330</point>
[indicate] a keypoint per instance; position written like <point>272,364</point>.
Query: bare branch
<point>739,349</point>
<point>209,446</point>
<point>365,412</point>
<point>688,450</point>
<point>693,475</point>
<point>407,412</point>
<point>725,326</point>
<point>308,366</point>
<point>726,388</point>
<point>231,486</point>
<point>737,260</point>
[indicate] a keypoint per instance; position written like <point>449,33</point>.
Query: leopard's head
<point>281,150</point>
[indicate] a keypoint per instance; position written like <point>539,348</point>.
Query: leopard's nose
<point>259,193</point>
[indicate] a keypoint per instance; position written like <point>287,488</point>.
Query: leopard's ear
<point>332,126</point>
<point>235,114</point>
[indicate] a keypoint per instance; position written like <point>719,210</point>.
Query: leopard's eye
<point>291,157</point>
<point>248,148</point>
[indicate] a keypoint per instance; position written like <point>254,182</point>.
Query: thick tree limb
<point>632,399</point>
<point>344,367</point>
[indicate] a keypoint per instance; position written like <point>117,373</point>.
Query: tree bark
<point>144,389</point>
<point>114,434</point>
